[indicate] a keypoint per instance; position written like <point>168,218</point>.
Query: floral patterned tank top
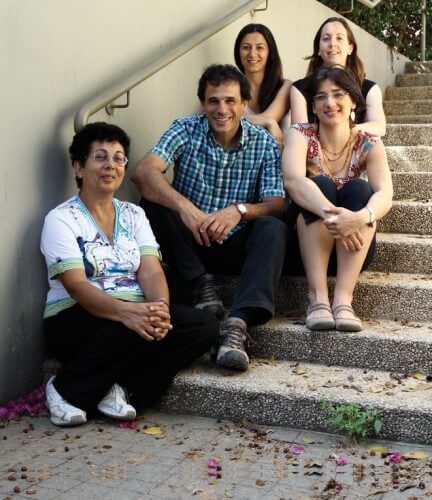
<point>357,165</point>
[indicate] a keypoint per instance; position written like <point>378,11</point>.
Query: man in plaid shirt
<point>220,213</point>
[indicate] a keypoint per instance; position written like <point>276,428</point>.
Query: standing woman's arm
<point>376,120</point>
<point>274,113</point>
<point>298,106</point>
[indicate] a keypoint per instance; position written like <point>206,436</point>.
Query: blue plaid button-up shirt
<point>212,178</point>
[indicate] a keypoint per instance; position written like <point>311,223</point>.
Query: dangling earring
<point>352,116</point>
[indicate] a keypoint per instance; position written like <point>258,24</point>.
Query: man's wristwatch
<point>242,209</point>
<point>372,219</point>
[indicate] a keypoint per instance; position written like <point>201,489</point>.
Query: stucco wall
<point>54,56</point>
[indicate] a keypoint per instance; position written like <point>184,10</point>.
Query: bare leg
<point>316,245</point>
<point>349,265</point>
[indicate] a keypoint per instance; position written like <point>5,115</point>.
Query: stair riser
<point>409,159</point>
<point>399,257</point>
<point>414,80</point>
<point>408,135</point>
<point>408,219</point>
<point>380,299</point>
<point>408,93</point>
<point>287,410</point>
<point>411,108</point>
<point>418,67</point>
<point>412,186</point>
<point>409,119</point>
<point>342,349</point>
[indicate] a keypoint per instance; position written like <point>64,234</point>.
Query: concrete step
<point>275,393</point>
<point>410,158</point>
<point>408,216</point>
<point>414,80</point>
<point>416,186</point>
<point>418,67</point>
<point>408,93</point>
<point>382,345</point>
<point>384,295</point>
<point>408,107</point>
<point>408,135</point>
<point>409,118</point>
<point>403,253</point>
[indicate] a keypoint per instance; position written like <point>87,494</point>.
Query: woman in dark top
<point>334,44</point>
<point>257,57</point>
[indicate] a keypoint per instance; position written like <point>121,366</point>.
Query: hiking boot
<point>61,412</point>
<point>206,296</point>
<point>115,404</point>
<point>232,352</point>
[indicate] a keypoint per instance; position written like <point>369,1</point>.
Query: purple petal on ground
<point>341,461</point>
<point>297,449</point>
<point>395,458</point>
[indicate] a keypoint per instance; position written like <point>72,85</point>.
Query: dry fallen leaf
<point>375,389</point>
<point>421,387</point>
<point>153,431</point>
<point>415,455</point>
<point>313,463</point>
<point>378,492</point>
<point>308,440</point>
<point>419,376</point>
<point>299,370</point>
<point>377,450</point>
<point>260,482</point>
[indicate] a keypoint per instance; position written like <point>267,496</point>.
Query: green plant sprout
<point>351,420</point>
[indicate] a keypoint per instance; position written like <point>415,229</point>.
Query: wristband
<point>371,216</point>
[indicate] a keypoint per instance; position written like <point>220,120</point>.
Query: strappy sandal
<point>345,324</point>
<point>322,322</point>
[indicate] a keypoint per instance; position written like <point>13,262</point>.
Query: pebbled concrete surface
<point>410,158</point>
<point>106,462</point>
<point>276,393</point>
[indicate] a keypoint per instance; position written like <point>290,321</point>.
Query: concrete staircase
<point>384,367</point>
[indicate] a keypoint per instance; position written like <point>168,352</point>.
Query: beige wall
<point>54,55</point>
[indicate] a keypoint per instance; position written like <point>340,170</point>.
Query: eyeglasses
<point>102,156</point>
<point>337,95</point>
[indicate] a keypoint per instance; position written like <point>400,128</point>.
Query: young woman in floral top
<point>339,180</point>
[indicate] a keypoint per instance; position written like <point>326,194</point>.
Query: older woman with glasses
<point>340,184</point>
<point>108,317</point>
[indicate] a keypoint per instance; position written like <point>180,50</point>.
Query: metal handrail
<point>111,94</point>
<point>423,32</point>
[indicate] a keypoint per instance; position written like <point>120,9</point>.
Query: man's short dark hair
<point>92,132</point>
<point>216,74</point>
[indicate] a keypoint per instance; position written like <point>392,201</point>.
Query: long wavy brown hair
<point>353,62</point>
<point>273,79</point>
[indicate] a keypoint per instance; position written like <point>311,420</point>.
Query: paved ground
<point>102,460</point>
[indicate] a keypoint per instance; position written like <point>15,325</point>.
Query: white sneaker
<point>61,412</point>
<point>115,405</point>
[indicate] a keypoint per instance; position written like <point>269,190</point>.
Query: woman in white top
<point>108,316</point>
<point>257,56</point>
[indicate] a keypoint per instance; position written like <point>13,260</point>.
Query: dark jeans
<point>354,196</point>
<point>96,352</point>
<point>256,253</point>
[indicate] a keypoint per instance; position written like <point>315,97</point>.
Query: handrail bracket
<point>109,108</point>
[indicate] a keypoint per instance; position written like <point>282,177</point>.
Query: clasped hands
<point>344,225</point>
<point>151,320</point>
<point>210,228</point>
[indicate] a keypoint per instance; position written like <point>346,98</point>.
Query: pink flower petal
<point>395,458</point>
<point>341,461</point>
<point>297,449</point>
